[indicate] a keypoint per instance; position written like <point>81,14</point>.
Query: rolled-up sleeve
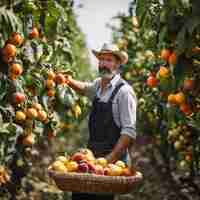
<point>127,112</point>
<point>91,88</point>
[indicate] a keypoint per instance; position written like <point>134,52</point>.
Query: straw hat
<point>112,48</point>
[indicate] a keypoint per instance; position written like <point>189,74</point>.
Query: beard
<point>106,73</point>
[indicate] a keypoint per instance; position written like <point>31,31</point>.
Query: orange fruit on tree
<point>50,83</point>
<point>20,116</point>
<point>16,39</point>
<point>9,50</point>
<point>172,58</point>
<point>180,98</point>
<point>31,113</point>
<point>152,81</point>
<point>163,72</point>
<point>28,140</point>
<point>51,75</point>
<point>15,69</point>
<point>165,53</point>
<point>12,76</point>
<point>37,106</point>
<point>41,115</point>
<point>34,33</point>
<point>171,99</point>
<point>51,93</point>
<point>185,108</point>
<point>60,78</point>
<point>188,84</point>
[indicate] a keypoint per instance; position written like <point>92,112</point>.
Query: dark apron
<point>103,135</point>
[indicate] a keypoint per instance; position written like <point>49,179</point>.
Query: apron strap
<point>116,90</point>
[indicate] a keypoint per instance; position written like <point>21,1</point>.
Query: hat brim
<point>122,55</point>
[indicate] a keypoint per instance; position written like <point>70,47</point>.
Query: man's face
<point>108,65</point>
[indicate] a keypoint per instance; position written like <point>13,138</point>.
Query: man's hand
<point>120,148</point>
<point>78,86</point>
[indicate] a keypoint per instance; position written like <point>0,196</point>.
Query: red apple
<point>91,167</point>
<point>83,167</point>
<point>99,170</point>
<point>78,157</point>
<point>18,97</point>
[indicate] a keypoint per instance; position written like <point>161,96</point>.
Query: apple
<point>114,170</point>
<point>99,170</point>
<point>127,172</point>
<point>83,167</point>
<point>61,168</point>
<point>120,164</point>
<point>72,166</point>
<point>19,97</point>
<point>91,166</point>
<point>106,171</point>
<point>78,157</point>
<point>102,161</point>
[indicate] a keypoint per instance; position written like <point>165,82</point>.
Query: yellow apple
<point>101,161</point>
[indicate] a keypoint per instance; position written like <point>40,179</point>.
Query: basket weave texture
<point>91,183</point>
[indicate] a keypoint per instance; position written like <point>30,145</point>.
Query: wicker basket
<point>91,183</point>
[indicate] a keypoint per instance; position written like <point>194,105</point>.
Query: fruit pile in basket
<point>84,161</point>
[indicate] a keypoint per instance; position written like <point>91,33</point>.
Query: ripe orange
<point>60,78</point>
<point>185,108</point>
<point>20,116</point>
<point>16,39</point>
<point>37,106</point>
<point>171,99</point>
<point>31,113</point>
<point>51,93</point>
<point>165,53</point>
<point>42,115</point>
<point>188,84</point>
<point>34,33</point>
<point>50,83</point>
<point>172,58</point>
<point>28,140</point>
<point>180,98</point>
<point>152,81</point>
<point>51,75</point>
<point>163,72</point>
<point>16,69</point>
<point>9,51</point>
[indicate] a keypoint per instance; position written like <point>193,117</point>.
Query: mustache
<point>104,69</point>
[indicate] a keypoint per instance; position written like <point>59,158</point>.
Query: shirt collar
<point>114,80</point>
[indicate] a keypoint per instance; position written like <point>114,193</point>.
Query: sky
<point>93,17</point>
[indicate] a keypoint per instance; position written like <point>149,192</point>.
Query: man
<point>113,115</point>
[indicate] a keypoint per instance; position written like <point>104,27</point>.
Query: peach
<point>101,161</point>
<point>72,166</point>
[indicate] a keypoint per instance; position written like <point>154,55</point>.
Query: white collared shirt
<point>124,103</point>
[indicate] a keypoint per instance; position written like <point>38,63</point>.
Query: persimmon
<point>31,113</point>
<point>165,53</point>
<point>20,116</point>
<point>188,84</point>
<point>50,84</point>
<point>34,33</point>
<point>9,51</point>
<point>15,69</point>
<point>60,78</point>
<point>152,81</point>
<point>180,98</point>
<point>172,58</point>
<point>37,106</point>
<point>28,140</point>
<point>16,39</point>
<point>171,99</point>
<point>186,109</point>
<point>42,115</point>
<point>51,93</point>
<point>51,75</point>
<point>163,72</point>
